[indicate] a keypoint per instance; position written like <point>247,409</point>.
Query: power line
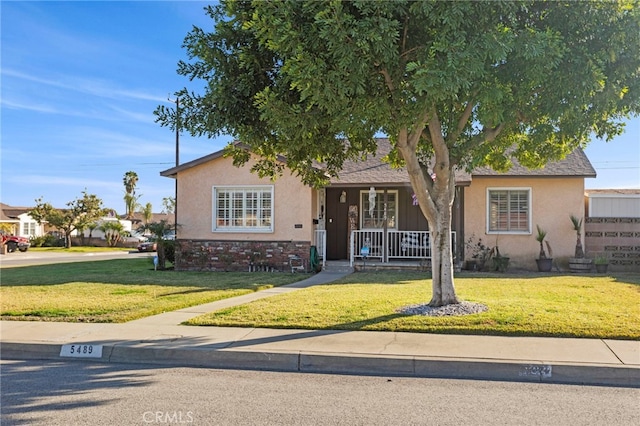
<point>618,168</point>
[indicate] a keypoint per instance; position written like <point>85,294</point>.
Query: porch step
<point>337,266</point>
<point>393,266</point>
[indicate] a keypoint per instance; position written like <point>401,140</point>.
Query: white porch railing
<point>393,244</point>
<point>320,241</point>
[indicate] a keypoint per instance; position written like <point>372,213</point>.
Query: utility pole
<point>175,208</point>
<point>177,131</point>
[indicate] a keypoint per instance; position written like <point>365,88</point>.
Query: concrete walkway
<point>161,340</point>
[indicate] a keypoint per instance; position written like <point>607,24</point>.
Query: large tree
<point>80,213</point>
<point>454,84</point>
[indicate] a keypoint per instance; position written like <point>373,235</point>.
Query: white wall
<point>29,227</point>
<point>614,205</point>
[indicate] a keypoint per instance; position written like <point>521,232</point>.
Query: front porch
<point>386,248</point>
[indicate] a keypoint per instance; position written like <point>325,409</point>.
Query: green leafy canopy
<point>530,79</point>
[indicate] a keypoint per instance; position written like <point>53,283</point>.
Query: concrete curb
<point>341,363</point>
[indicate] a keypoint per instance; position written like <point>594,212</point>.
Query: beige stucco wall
<point>553,200</point>
<point>293,203</point>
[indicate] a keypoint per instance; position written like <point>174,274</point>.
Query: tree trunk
<point>579,252</point>
<point>160,253</point>
<point>443,289</point>
<point>435,198</point>
<point>67,239</point>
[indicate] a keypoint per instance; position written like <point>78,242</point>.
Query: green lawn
<point>79,249</point>
<point>520,305</point>
<point>117,290</point>
<point>534,305</point>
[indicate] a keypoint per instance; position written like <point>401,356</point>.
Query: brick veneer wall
<point>215,255</point>
<point>617,238</point>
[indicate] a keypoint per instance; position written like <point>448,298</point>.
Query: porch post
<point>385,248</point>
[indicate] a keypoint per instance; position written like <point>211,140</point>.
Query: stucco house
<point>21,223</point>
<point>229,218</point>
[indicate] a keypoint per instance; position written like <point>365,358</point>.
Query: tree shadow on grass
<point>137,272</point>
<point>287,335</point>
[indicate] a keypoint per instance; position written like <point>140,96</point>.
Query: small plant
<point>577,226</point>
<point>540,238</point>
<point>478,251</point>
<point>500,262</point>
<point>601,260</point>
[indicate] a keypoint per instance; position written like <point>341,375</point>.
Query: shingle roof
<point>613,192</point>
<point>374,170</point>
<point>576,164</point>
<point>10,213</point>
<point>155,217</point>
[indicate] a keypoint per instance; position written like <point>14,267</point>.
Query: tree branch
<point>405,34</point>
<point>387,79</point>
<point>492,134</point>
<point>437,140</point>
<point>462,122</point>
<point>414,136</point>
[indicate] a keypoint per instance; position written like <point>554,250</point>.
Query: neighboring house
<point>97,233</point>
<point>138,219</point>
<point>25,226</point>
<point>620,203</point>
<point>229,218</point>
<point>22,223</point>
<point>612,227</point>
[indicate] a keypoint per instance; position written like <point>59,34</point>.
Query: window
<point>375,218</point>
<point>29,229</point>
<point>243,209</point>
<point>509,210</point>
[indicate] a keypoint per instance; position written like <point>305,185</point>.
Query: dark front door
<point>337,223</point>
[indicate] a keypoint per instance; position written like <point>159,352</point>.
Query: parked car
<point>14,243</point>
<point>147,246</point>
<point>136,237</point>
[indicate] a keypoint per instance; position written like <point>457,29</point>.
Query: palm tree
<point>147,212</point>
<point>130,181</point>
<point>542,234</point>
<point>577,226</point>
<point>158,230</point>
<point>91,226</point>
<point>131,202</point>
<point>112,231</point>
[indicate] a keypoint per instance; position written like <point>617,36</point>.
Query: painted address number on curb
<point>81,351</point>
<point>543,371</point>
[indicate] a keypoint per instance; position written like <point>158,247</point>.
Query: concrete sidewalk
<point>161,340</point>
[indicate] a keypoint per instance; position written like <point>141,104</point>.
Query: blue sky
<point>79,83</point>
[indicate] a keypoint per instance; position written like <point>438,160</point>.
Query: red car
<point>147,246</point>
<point>14,243</point>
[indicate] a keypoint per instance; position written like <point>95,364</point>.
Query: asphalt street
<point>81,393</point>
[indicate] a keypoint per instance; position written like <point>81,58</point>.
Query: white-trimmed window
<point>374,218</point>
<point>29,229</point>
<point>243,208</point>
<point>509,210</point>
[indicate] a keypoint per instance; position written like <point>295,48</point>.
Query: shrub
<point>170,251</point>
<point>47,240</point>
